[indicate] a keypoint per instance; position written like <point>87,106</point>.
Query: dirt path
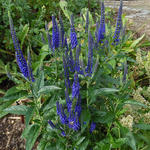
<point>137,12</point>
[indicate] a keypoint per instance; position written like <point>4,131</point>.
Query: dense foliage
<point>78,89</point>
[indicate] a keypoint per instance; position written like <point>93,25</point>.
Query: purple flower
<point>63,133</point>
<point>73,36</point>
<point>89,67</point>
<point>58,108</point>
<point>73,121</point>
<point>75,87</point>
<point>92,127</point>
<point>68,101</point>
<point>76,124</point>
<point>78,107</point>
<point>51,124</point>
<point>101,32</point>
<point>118,25</point>
<point>55,34</point>
<point>62,115</point>
<point>19,55</point>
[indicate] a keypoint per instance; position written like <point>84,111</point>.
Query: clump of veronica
<point>73,36</point>
<point>116,36</point>
<point>72,121</point>
<point>92,127</point>
<point>101,31</point>
<point>87,22</point>
<point>48,37</point>
<point>66,73</point>
<point>75,87</point>
<point>55,34</point>
<point>62,32</point>
<point>19,55</point>
<point>89,67</point>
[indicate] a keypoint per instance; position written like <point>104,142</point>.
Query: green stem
<point>87,92</point>
<point>56,68</point>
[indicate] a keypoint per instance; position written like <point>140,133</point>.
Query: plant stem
<point>87,92</point>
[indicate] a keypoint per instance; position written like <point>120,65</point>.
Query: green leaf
<point>29,115</point>
<point>63,5</point>
<point>142,126</point>
<point>39,82</point>
<point>80,140</point>
<point>112,62</point>
<point>85,118</point>
<point>30,134</point>
<point>2,114</point>
<point>84,145</point>
<point>10,98</point>
<point>137,41</point>
<point>106,118</point>
<point>102,91</point>
<point>41,145</point>
<point>118,142</point>
<point>130,140</point>
<point>47,89</point>
<point>18,109</point>
<point>24,33</point>
<point>133,102</point>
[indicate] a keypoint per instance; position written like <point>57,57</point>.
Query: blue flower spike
<point>55,34</point>
<point>73,36</point>
<point>92,127</point>
<point>116,36</point>
<point>19,54</point>
<point>101,31</point>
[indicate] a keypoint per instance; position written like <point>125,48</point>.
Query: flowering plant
<point>80,109</point>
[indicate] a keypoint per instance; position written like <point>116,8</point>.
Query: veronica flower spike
<point>92,127</point>
<point>118,25</point>
<point>75,87</point>
<point>101,31</point>
<point>19,55</point>
<point>55,34</point>
<point>73,36</point>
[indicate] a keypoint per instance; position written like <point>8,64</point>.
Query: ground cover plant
<point>76,94</point>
